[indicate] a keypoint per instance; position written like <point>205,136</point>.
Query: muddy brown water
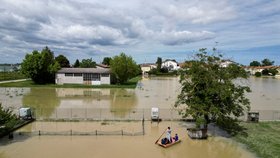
<point>159,92</point>
<point>61,103</point>
<point>115,145</point>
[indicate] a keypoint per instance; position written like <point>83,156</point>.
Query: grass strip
<point>263,139</point>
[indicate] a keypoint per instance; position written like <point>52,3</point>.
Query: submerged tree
<point>212,93</point>
<point>7,119</point>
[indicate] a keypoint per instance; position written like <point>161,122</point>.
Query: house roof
<point>84,70</point>
<point>173,60</point>
<point>103,65</point>
<point>147,64</point>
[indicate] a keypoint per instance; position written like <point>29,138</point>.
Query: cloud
<point>184,37</point>
<point>92,27</point>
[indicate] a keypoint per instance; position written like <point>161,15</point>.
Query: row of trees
<point>264,62</point>
<point>42,66</point>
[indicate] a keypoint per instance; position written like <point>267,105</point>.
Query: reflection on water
<point>122,101</point>
<point>39,99</point>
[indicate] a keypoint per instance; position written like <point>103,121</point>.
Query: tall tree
<point>267,62</point>
<point>124,68</point>
<point>209,92</point>
<point>76,64</point>
<point>159,63</point>
<point>106,60</point>
<point>63,61</point>
<point>40,66</point>
<point>255,63</point>
<point>88,63</point>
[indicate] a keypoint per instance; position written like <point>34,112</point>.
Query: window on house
<point>91,77</point>
<point>78,74</point>
<point>104,75</point>
<point>69,74</point>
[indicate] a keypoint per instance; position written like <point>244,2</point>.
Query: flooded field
<point>24,146</point>
<point>132,104</point>
<point>126,104</point>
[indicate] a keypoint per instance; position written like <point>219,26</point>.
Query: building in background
<point>88,76</point>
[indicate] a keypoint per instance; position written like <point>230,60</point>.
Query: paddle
<point>160,135</point>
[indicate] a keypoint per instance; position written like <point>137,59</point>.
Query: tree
<point>88,63</point>
<point>255,63</point>
<point>267,62</point>
<point>159,63</point>
<point>124,67</point>
<point>40,66</point>
<point>106,60</point>
<point>77,63</point>
<point>7,119</point>
<point>209,93</point>
<point>62,60</point>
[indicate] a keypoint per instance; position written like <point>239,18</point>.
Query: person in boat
<point>164,141</point>
<point>176,138</point>
<point>168,135</point>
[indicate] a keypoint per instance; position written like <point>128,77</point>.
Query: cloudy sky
<point>242,30</point>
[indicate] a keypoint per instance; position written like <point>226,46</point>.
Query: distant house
<point>147,67</point>
<point>171,65</point>
<point>89,76</point>
<point>253,69</point>
<point>226,63</point>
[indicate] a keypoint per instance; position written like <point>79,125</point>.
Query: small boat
<point>169,144</point>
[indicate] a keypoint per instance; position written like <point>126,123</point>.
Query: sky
<point>242,31</point>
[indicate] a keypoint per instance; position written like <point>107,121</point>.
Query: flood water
<point>116,146</point>
<point>63,103</point>
<point>100,104</point>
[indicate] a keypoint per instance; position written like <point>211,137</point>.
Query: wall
<point>62,79</point>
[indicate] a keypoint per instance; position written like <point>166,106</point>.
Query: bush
<point>258,74</point>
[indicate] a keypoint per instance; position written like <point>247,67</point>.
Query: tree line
<point>42,66</point>
<point>267,71</point>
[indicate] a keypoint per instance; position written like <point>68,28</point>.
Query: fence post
<point>86,113</point>
<point>71,114</point>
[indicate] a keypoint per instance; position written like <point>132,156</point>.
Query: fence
<point>79,133</point>
<point>102,114</point>
<point>99,114</point>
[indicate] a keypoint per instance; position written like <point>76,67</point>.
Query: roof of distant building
<point>84,70</point>
<point>103,65</point>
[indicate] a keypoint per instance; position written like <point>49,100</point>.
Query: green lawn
<point>263,139</point>
<point>4,76</point>
<point>132,83</point>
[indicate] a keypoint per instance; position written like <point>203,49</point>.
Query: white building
<point>147,67</point>
<point>89,76</point>
<point>170,65</point>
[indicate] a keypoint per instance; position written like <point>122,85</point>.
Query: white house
<point>147,67</point>
<point>170,65</point>
<point>89,76</point>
